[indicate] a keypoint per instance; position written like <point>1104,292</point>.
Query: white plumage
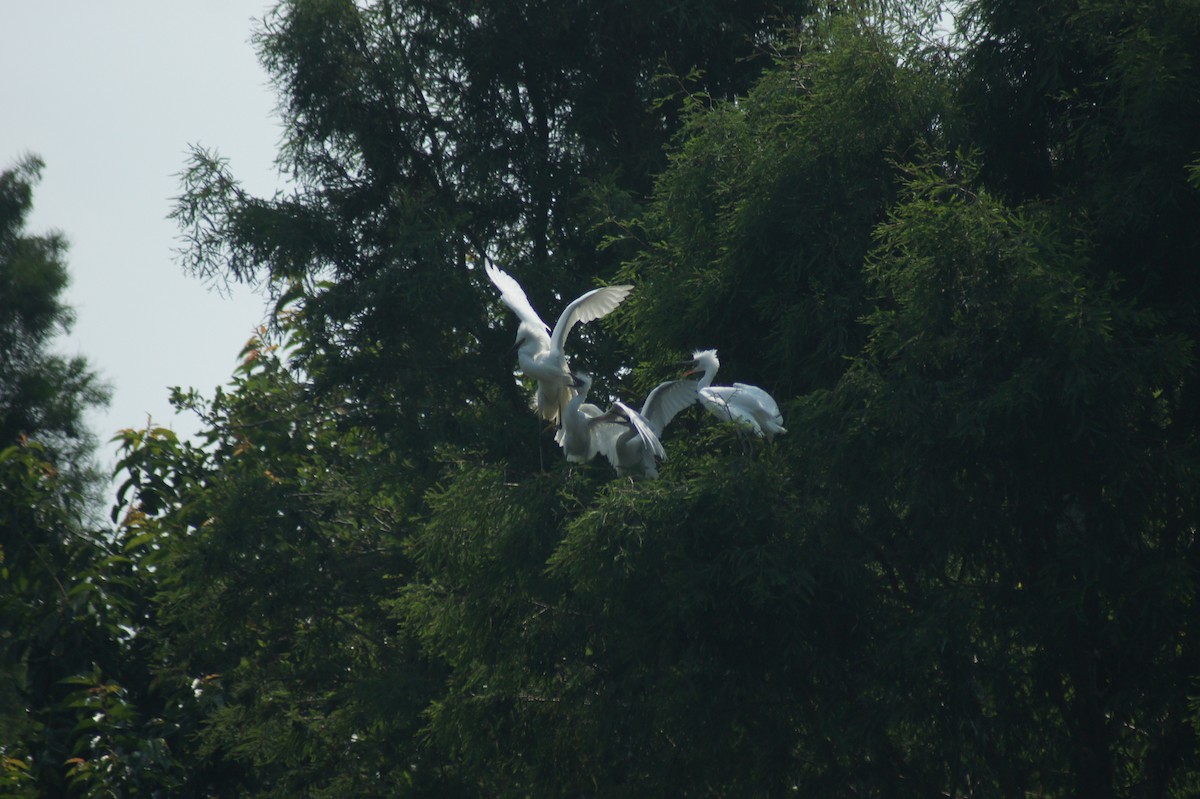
<point>740,403</point>
<point>541,352</point>
<point>629,439</point>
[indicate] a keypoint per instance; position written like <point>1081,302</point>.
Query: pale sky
<point>111,95</point>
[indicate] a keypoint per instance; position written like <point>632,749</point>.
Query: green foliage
<point>1024,491</point>
<point>969,568</point>
<point>114,746</point>
<point>274,544</point>
<point>42,396</point>
<point>70,602</point>
<point>68,599</point>
<point>757,231</point>
<point>426,137</point>
<point>649,625</point>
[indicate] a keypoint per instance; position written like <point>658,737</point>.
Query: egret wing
<point>605,431</point>
<point>753,395</point>
<point>719,401</point>
<point>514,297</point>
<point>644,430</point>
<point>668,399</point>
<point>592,305</point>
<point>589,411</point>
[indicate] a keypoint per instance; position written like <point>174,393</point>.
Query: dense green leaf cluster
<point>43,395</point>
<point>65,597</point>
<point>965,267</point>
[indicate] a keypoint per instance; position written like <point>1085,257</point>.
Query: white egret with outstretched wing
<point>741,403</point>
<point>629,439</point>
<point>541,352</point>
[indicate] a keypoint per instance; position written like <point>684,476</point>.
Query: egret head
<point>703,361</point>
<point>582,381</point>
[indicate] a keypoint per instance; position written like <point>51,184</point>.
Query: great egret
<point>740,403</point>
<point>576,435</point>
<point>540,352</point>
<point>588,431</point>
<point>628,438</point>
<point>661,406</point>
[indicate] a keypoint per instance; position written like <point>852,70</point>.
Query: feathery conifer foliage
<point>963,266</point>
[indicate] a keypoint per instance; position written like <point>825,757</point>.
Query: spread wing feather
<point>667,400</point>
<point>514,297</point>
<point>589,306</point>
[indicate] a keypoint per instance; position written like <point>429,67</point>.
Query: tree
<point>314,474</point>
<point>42,396</point>
<point>278,538</point>
<point>968,569</point>
<point>692,636</point>
<point>66,596</point>
<point>429,136</point>
<point>1012,469</point>
<point>787,184</point>
<point>1091,106</point>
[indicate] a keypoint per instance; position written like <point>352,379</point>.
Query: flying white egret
<point>628,438</point>
<point>540,352</point>
<point>740,403</point>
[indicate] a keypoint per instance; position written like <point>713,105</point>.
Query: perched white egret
<point>631,448</point>
<point>628,438</point>
<point>740,403</point>
<point>540,352</point>
<point>618,432</point>
<point>575,436</point>
<point>661,406</point>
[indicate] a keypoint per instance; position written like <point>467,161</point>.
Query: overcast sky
<point>111,95</point>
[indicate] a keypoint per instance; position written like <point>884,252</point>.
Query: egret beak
<point>688,362</point>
